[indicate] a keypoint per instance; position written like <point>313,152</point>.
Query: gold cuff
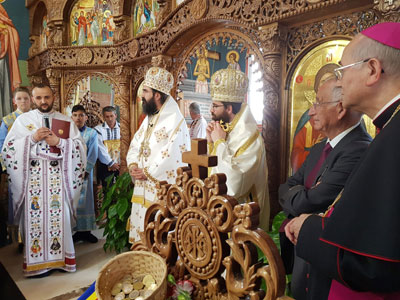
<point>216,144</point>
<point>132,165</point>
<point>210,147</point>
<point>149,177</point>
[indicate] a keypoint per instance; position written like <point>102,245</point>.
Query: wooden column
<point>54,77</point>
<point>270,36</point>
<point>122,92</point>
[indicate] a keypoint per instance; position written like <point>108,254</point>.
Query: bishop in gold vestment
<point>234,138</point>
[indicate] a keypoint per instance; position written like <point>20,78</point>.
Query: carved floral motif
<point>350,24</point>
<point>387,6</point>
<point>199,8</point>
<point>189,227</point>
<point>85,56</point>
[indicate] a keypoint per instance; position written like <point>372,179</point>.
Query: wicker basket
<point>133,262</point>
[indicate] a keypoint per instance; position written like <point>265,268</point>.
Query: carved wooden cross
<point>198,158</point>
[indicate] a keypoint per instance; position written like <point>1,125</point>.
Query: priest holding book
<point>45,157</point>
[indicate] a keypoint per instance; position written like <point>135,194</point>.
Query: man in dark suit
<point>322,176</point>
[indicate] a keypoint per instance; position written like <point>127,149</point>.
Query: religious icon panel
<point>303,88</point>
<point>206,59</point>
<point>144,16</point>
<point>91,23</point>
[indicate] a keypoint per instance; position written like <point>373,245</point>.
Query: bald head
<point>371,75</point>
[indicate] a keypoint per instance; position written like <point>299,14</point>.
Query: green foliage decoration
<point>274,234</point>
<point>116,208</point>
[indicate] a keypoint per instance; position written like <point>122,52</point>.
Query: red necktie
<point>313,174</point>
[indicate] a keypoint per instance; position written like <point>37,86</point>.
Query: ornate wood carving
<point>249,14</point>
<point>349,24</point>
<point>122,77</point>
<point>162,61</point>
<point>387,6</point>
<point>190,225</point>
<point>389,9</point>
<point>56,33</point>
<point>199,8</point>
<point>272,39</point>
<point>165,8</point>
<point>122,31</point>
<point>259,12</point>
<point>54,77</point>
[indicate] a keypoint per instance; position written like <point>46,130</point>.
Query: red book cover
<point>60,129</point>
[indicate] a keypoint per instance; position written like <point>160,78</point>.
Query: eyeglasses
<point>214,106</point>
<point>339,71</point>
<point>318,104</point>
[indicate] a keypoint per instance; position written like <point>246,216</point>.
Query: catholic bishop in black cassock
<point>357,242</point>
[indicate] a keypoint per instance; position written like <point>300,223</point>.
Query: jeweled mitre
<point>228,85</point>
<point>159,79</point>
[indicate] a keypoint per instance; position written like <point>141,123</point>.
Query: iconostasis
<point>208,57</point>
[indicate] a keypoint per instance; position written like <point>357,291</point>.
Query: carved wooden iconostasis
<point>82,44</point>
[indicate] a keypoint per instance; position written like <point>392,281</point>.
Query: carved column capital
<point>389,9</point>
<point>35,41</point>
<point>55,33</point>
<point>165,9</point>
<point>272,37</point>
<point>54,77</point>
<point>122,74</point>
<point>35,79</point>
<point>122,28</point>
<point>162,61</point>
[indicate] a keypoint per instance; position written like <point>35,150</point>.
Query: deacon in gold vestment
<point>156,148</point>
<point>233,136</point>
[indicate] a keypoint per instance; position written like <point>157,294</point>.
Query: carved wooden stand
<point>207,237</point>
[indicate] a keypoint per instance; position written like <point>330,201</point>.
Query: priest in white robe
<point>233,136</point>
<point>155,152</point>
<point>45,185</point>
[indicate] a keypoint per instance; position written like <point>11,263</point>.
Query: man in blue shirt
<point>86,220</point>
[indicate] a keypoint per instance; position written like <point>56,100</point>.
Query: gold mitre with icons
<point>159,79</point>
<point>228,85</point>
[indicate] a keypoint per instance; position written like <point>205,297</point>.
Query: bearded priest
<point>156,148</point>
<point>234,138</point>
<point>46,175</point>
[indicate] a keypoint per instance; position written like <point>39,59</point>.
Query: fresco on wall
<point>144,16</point>
<point>208,58</point>
<point>9,53</point>
<point>92,23</point>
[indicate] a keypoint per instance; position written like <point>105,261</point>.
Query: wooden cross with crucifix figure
<point>198,159</point>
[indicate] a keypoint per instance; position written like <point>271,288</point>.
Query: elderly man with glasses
<point>323,174</point>
<point>356,243</point>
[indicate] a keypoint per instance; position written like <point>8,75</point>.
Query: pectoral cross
<point>198,159</point>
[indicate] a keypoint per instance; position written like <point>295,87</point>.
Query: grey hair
<point>388,56</point>
<point>109,109</point>
<point>337,93</point>
<point>194,107</point>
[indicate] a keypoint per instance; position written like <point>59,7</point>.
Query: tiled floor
<point>58,286</point>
